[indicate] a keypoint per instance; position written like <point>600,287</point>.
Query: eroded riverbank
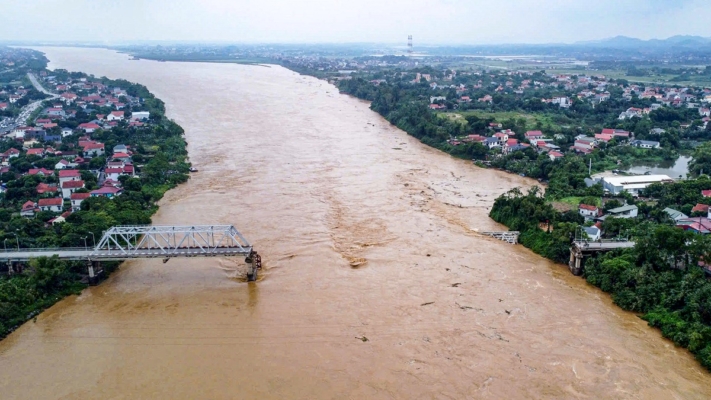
<point>316,180</point>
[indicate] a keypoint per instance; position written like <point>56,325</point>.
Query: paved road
<point>30,108</point>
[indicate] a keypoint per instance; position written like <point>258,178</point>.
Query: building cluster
<point>62,189</point>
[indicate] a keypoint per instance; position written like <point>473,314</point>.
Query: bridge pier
<point>255,264</point>
<point>94,268</point>
<point>576,263</point>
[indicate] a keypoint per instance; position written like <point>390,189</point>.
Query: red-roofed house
<point>62,164</point>
<point>40,172</point>
<point>3,106</point>
<point>603,137</point>
<point>69,175</point>
<point>69,187</point>
<point>534,135</point>
<point>115,116</point>
<point>89,127</point>
<point>703,208</point>
<point>555,155</point>
<point>29,209</point>
<point>43,188</point>
<point>35,152</point>
<point>589,212</point>
<point>54,204</point>
<point>706,193</point>
<point>77,198</point>
<point>93,149</point>
<point>10,153</point>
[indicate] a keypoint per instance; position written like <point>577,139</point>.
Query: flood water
<point>319,183</point>
<point>675,169</point>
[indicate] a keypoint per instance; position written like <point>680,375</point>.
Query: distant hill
<point>625,42</point>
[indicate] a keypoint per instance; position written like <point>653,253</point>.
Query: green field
<point>498,116</point>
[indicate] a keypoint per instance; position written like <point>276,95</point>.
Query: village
<point>61,151</point>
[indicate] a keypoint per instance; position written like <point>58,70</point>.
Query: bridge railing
<point>44,249</point>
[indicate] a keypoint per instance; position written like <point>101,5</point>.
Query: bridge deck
<point>117,255</point>
<point>603,246</point>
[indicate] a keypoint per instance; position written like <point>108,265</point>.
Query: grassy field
<point>575,201</point>
<point>498,116</point>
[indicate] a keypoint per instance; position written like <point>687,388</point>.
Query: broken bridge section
<point>151,241</point>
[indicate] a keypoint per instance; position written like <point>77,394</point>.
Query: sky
<point>348,21</point>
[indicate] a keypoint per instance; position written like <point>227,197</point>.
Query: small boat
<point>193,169</point>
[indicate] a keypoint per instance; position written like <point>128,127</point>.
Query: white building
<point>632,184</point>
<point>588,212</point>
<point>139,115</point>
<point>627,211</point>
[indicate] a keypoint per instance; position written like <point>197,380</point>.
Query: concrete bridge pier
<point>575,265</point>
<point>94,268</point>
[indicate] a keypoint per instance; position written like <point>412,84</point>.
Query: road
<point>30,108</point>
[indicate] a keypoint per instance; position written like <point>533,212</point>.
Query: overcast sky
<point>386,21</point>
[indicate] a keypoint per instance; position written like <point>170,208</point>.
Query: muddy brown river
<point>320,183</point>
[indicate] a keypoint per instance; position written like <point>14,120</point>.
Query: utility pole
<point>590,167</point>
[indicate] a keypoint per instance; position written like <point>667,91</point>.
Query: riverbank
<point>157,147</point>
<point>662,278</point>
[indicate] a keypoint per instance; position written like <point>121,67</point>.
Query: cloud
<point>430,21</point>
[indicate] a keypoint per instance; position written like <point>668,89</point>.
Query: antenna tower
<point>409,44</point>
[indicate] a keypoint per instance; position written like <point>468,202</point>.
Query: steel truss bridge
<point>151,241</point>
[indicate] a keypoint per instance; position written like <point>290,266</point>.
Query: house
<point>106,191</point>
<point>619,134</point>
<point>706,193</point>
<point>66,132</point>
<point>492,142</point>
<point>120,148</point>
<point>43,188</point>
<point>56,112</point>
<point>675,215</point>
<point>93,149</point>
<point>3,106</point>
<point>626,211</point>
<point>502,137</point>
<point>77,198</point>
<point>701,225</point>
<point>593,233</point>
<point>89,127</point>
<point>10,153</point>
<point>68,98</point>
<point>39,152</point>
<point>562,102</point>
<point>29,209</point>
<point>555,155</point>
<point>69,175</point>
<point>115,116</point>
<point>700,208</point>
<point>533,135</point>
<point>40,172</point>
<point>69,187</point>
<point>62,164</point>
<point>54,204</point>
<point>603,137</point>
<point>57,220</point>
<point>589,212</point>
<point>645,144</point>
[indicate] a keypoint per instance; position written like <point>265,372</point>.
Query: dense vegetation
<point>660,278</point>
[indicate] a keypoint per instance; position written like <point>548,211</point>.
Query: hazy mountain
<point>625,42</point>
